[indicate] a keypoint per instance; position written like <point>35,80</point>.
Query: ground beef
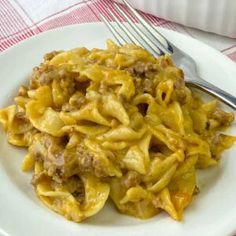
<point>144,85</point>
<point>142,69</point>
<point>179,92</point>
<point>77,102</point>
<point>50,55</point>
<point>49,150</point>
<point>224,118</point>
<point>89,162</point>
<point>218,143</point>
<point>60,163</point>
<point>143,74</point>
<point>148,86</point>
<point>85,159</point>
<point>99,169</point>
<point>131,179</point>
<point>45,74</point>
<point>76,187</point>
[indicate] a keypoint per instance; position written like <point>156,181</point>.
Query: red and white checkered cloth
<point>21,19</point>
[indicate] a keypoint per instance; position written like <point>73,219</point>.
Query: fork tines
<point>143,34</point>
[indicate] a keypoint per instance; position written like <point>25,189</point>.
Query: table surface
<point>20,19</point>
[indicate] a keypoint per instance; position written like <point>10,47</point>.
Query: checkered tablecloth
<point>21,19</point>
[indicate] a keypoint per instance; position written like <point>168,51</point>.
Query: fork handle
<point>211,89</point>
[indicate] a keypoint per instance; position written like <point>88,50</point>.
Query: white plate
<point>213,211</point>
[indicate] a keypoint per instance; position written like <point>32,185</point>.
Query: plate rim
<point>42,34</point>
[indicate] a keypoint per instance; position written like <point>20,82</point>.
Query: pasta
<point>115,123</point>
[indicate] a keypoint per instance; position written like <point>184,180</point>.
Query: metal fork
<point>158,45</point>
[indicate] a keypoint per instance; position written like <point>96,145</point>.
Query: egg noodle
<point>115,123</point>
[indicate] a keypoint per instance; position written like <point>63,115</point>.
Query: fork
<point>158,45</point>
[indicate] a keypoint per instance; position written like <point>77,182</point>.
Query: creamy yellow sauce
<point>115,123</point>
